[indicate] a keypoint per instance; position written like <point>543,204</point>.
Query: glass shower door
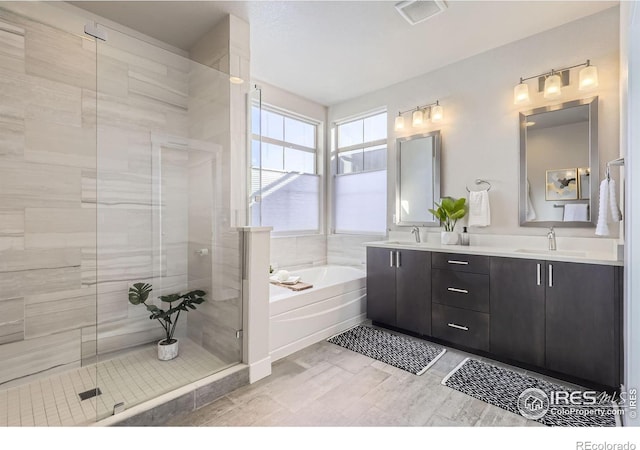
<point>163,220</point>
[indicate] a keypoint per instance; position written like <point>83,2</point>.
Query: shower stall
<point>114,170</point>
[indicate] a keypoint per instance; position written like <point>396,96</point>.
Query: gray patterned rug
<point>527,396</point>
<point>398,351</point>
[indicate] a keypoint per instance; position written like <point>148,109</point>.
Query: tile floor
<point>327,385</point>
<point>132,378</point>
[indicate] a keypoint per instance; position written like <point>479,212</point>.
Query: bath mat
<point>526,395</point>
<point>398,351</point>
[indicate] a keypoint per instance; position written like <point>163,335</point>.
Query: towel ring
<point>479,181</point>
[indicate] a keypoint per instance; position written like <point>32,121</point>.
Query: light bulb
<point>417,118</point>
<point>399,123</point>
<point>521,94</point>
<point>552,86</point>
<point>588,78</point>
<point>437,113</point>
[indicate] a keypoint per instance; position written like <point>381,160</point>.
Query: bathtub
<point>335,303</point>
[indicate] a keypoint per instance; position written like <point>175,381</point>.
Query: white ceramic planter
<point>167,352</point>
<point>449,237</point>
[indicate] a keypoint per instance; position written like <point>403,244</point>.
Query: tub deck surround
<point>569,249</point>
<point>336,303</point>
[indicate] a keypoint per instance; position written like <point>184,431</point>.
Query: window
<point>285,187</point>
<point>360,188</point>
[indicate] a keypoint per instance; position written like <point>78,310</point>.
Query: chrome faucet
<point>551,235</point>
<point>416,231</point>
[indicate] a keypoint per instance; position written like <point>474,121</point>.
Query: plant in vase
<point>139,294</point>
<point>449,211</point>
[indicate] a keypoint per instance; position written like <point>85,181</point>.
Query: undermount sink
<point>551,252</point>
<point>401,242</point>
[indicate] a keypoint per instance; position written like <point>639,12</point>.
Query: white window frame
<point>317,160</point>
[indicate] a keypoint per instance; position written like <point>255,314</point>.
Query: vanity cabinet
<point>460,296</point>
<point>582,317</point>
<point>518,310</point>
<point>399,288</point>
<point>558,315</point>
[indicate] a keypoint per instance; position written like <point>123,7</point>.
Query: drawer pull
<point>459,327</point>
<point>453,261</point>
<point>462,291</point>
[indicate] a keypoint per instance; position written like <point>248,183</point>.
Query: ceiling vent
<point>416,11</point>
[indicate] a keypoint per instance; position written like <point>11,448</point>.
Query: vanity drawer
<point>460,262</point>
<point>460,289</point>
<point>460,326</point>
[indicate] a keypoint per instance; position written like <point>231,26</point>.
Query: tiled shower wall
<point>54,194</point>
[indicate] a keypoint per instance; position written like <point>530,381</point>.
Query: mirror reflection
<point>558,148</point>
<point>418,179</point>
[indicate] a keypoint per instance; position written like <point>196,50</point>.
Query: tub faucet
<point>416,231</point>
<point>551,235</point>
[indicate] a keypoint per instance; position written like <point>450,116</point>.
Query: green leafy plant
<point>139,294</point>
<point>449,211</point>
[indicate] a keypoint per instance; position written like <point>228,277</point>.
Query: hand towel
<point>531,212</point>
<point>616,215</point>
<point>479,210</point>
<point>608,207</point>
<point>576,212</point>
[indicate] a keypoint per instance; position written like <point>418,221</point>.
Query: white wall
<point>630,79</point>
<point>480,134</point>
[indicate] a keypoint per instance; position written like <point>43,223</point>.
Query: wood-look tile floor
<point>327,385</point>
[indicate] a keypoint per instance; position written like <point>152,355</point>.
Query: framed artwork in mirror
<point>584,183</point>
<point>561,184</point>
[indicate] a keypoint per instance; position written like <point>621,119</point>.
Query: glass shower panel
<point>163,219</point>
<point>47,218</point>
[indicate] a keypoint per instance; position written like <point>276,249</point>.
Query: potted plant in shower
<point>449,211</point>
<point>139,294</point>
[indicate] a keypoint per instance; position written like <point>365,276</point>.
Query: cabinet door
<point>518,309</point>
<point>413,291</point>
<point>582,311</point>
<point>381,285</point>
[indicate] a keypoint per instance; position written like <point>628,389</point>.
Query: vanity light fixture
<point>551,83</point>
<point>420,115</point>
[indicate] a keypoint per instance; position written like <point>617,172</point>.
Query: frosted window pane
<point>361,202</point>
<point>350,134</point>
<point>375,127</point>
<point>301,133</point>
<point>299,161</point>
<point>272,156</point>
<point>272,125</point>
<point>290,201</point>
<point>375,158</point>
<point>349,162</point>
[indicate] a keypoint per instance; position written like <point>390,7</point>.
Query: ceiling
<point>331,51</point>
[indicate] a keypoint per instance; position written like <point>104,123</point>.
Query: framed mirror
<point>417,179</point>
<point>559,165</point>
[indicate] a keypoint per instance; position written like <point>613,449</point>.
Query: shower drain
<point>90,393</point>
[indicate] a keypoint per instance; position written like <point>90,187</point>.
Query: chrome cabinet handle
<point>453,261</point>
<point>462,291</point>
<point>397,259</point>
<point>539,274</point>
<point>550,275</point>
<point>391,258</point>
<point>459,327</point>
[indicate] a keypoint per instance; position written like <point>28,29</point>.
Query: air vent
<point>416,11</point>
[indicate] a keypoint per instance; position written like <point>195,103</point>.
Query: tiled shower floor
<point>131,378</point>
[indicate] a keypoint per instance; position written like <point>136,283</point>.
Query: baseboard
<point>260,369</point>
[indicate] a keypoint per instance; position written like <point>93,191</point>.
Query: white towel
<point>608,208</point>
<point>479,210</point>
<point>531,212</point>
<point>576,212</point>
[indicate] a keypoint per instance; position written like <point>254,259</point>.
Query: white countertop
<point>511,249</point>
